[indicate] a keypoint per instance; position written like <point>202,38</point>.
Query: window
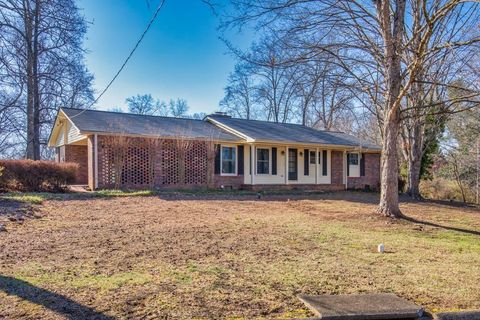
<point>353,159</point>
<point>353,168</point>
<point>263,161</point>
<point>313,158</point>
<point>228,160</point>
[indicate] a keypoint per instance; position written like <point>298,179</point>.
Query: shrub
<point>30,175</point>
<point>444,189</point>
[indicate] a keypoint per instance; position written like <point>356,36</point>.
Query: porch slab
<point>361,307</point>
<point>461,315</point>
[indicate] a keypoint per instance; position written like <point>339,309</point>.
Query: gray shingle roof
<point>288,132</point>
<point>134,124</point>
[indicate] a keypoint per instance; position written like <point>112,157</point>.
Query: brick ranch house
<point>136,151</point>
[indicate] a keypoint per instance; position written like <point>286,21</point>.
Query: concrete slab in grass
<point>361,307</point>
<point>461,315</point>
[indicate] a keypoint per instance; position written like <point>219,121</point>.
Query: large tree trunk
<point>30,114</point>
<point>31,21</point>
<point>389,168</point>
<point>413,187</point>
<point>414,161</point>
<point>30,154</point>
<point>36,91</point>
<point>393,47</point>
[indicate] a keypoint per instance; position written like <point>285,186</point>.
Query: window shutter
<point>306,162</point>
<point>251,160</point>
<point>324,162</point>
<point>362,165</point>
<point>348,164</point>
<point>240,160</point>
<point>217,159</point>
<point>274,161</point>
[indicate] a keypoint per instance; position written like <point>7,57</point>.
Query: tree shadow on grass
<point>436,225</point>
<point>53,301</point>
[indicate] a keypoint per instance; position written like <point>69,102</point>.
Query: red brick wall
<point>229,182</point>
<point>139,162</point>
<point>337,167</point>
<point>317,187</point>
<point>372,174</point>
<point>166,168</point>
<point>78,154</point>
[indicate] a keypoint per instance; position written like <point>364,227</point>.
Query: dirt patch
<point>16,212</point>
<point>220,256</point>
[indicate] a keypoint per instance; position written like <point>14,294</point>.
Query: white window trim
<point>355,165</point>
<point>310,157</point>
<point>235,159</point>
<point>321,160</point>
<point>269,161</point>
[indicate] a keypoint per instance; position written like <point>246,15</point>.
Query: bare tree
<point>41,65</point>
<point>374,38</point>
<point>269,80</point>
<point>240,92</point>
<point>178,108</point>
<point>145,104</point>
<point>330,96</point>
<point>427,105</point>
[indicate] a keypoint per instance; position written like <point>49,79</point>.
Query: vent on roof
<point>220,114</point>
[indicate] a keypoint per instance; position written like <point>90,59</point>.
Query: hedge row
<point>29,175</point>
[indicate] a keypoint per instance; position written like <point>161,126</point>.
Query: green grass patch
<point>110,282</point>
<point>30,197</point>
<point>124,193</point>
<point>37,275</point>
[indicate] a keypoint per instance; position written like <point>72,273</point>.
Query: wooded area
<point>395,72</point>
<point>41,69</point>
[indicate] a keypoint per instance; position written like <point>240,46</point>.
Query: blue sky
<point>181,56</point>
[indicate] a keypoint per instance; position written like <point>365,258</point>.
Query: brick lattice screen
<point>196,171</point>
<point>138,169</point>
<point>107,170</point>
<point>168,164</point>
<point>136,166</point>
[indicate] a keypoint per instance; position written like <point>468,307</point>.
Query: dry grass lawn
<point>231,256</point>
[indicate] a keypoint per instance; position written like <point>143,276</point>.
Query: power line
<point>150,23</point>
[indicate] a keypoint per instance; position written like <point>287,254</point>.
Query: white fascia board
<point>230,130</point>
<point>73,124</point>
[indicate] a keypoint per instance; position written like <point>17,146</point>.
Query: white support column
<point>95,153</point>
<point>317,157</point>
<point>286,164</point>
<point>345,169</point>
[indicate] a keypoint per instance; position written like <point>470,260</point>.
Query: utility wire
<point>150,23</point>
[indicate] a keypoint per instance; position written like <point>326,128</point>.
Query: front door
<point>292,164</point>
